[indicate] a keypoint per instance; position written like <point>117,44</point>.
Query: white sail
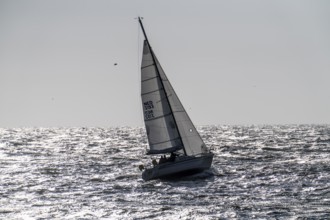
<point>168,125</point>
<point>192,142</point>
<point>163,135</point>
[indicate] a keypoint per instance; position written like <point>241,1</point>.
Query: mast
<point>161,81</point>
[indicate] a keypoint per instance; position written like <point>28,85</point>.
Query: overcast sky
<point>231,62</point>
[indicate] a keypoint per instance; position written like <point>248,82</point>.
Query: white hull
<point>181,165</point>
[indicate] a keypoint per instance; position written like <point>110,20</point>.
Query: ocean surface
<point>258,172</point>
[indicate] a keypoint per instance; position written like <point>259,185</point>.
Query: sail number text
<point>148,110</point>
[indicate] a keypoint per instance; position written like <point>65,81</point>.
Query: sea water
<point>261,172</point>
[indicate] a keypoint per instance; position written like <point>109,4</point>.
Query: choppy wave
<point>265,172</point>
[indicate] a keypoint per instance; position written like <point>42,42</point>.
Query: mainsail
<point>168,125</point>
<point>163,135</point>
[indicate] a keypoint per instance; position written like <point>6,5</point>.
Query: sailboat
<point>168,126</point>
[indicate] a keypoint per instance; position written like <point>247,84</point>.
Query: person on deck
<point>162,159</point>
<point>172,157</point>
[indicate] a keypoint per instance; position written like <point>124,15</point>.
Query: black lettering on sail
<point>148,114</point>
<point>148,105</point>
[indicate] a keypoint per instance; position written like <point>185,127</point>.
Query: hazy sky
<point>231,62</point>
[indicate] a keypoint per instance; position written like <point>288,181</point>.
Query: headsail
<point>168,125</point>
<point>192,142</point>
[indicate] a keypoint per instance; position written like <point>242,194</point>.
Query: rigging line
<point>139,79</point>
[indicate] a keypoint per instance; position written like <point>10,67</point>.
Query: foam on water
<point>277,172</point>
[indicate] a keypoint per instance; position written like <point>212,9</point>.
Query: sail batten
<point>147,93</point>
<point>164,151</point>
<point>149,79</point>
<point>168,141</point>
<point>143,67</point>
<point>162,116</point>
